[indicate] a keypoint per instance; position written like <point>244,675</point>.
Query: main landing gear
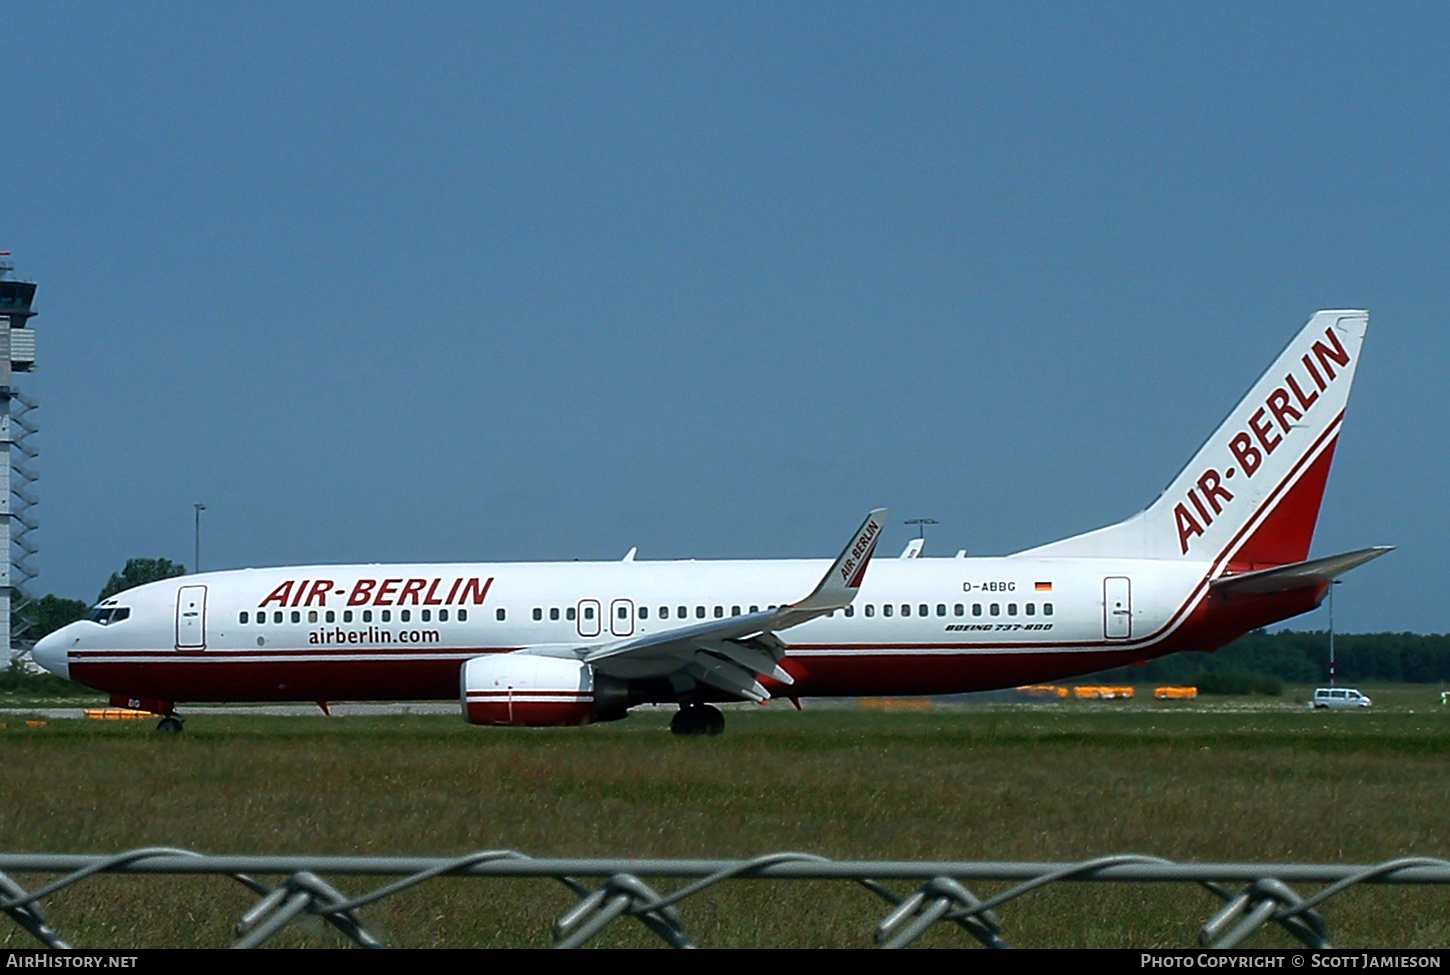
<point>170,724</point>
<point>697,719</point>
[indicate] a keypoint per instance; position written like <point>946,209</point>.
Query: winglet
<point>730,653</point>
<point>838,587</point>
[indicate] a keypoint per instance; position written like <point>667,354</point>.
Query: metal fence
<point>1252,896</point>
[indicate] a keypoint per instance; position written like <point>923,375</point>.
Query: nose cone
<point>52,651</point>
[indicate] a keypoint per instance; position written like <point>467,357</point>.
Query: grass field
<point>1217,780</point>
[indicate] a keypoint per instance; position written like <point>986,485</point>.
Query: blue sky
<point>388,282</point>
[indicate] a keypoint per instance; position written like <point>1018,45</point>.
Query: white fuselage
<point>359,632</point>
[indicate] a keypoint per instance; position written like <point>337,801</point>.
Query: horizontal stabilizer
<point>1316,572</point>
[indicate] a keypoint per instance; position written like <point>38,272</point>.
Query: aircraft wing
<point>1315,572</point>
<point>731,654</point>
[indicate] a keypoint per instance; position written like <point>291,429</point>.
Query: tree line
<point>51,612</point>
<point>1302,657</point>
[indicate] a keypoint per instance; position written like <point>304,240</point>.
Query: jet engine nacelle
<point>534,691</point>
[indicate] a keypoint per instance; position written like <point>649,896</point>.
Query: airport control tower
<point>17,480</point>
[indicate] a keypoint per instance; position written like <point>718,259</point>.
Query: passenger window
<point>683,612</point>
<point>996,609</point>
<point>387,616</point>
<point>553,613</point>
<point>719,612</point>
<point>442,616</point>
<point>347,616</point>
<point>906,609</point>
<point>568,614</point>
<point>699,612</point>
<point>850,611</point>
<point>312,616</point>
<point>754,608</point>
<point>959,610</point>
<point>1046,609</point>
<point>886,610</point>
<point>976,609</point>
<point>427,615</point>
<point>1011,609</point>
<point>644,612</point>
<point>623,612</point>
<point>404,615</point>
<point>734,610</point>
<point>500,615</point>
<point>297,616</point>
<point>538,614</point>
<point>1031,609</point>
<point>588,613</point>
<point>941,609</point>
<point>331,616</point>
<point>367,616</point>
<point>870,609</point>
<point>921,610</point>
<point>463,616</point>
<point>243,617</point>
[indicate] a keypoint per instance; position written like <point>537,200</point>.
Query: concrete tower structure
<point>17,479</point>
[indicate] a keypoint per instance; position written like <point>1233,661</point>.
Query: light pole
<point>1332,584</point>
<point>921,524</point>
<point>196,560</point>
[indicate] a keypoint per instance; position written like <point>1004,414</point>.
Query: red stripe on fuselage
<point>1215,622</point>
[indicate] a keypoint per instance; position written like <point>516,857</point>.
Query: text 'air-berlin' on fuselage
<point>437,591</point>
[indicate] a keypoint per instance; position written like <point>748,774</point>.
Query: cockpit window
<point>106,615</point>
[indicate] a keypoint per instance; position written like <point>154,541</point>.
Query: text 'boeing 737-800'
<point>1224,550</point>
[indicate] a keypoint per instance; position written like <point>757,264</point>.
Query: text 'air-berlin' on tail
<point>1224,549</point>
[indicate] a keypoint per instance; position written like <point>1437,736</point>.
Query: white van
<point>1338,697</point>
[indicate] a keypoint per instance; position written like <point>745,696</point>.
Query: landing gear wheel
<point>170,725</point>
<point>697,719</point>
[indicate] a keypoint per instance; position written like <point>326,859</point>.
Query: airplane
<point>1222,551</point>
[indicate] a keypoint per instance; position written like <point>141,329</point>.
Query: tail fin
<point>1251,494</point>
